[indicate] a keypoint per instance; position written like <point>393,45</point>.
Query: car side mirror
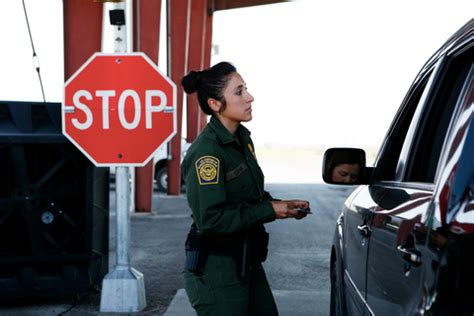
<point>344,166</point>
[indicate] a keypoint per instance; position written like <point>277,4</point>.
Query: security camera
<point>117,17</point>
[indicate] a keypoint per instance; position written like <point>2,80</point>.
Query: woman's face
<point>345,173</point>
<point>238,101</point>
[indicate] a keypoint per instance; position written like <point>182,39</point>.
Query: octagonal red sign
<point>118,109</point>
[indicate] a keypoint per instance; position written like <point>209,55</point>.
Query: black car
<point>404,243</point>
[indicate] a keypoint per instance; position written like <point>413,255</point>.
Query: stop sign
<point>118,109</point>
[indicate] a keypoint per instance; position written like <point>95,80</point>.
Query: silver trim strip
<point>358,292</point>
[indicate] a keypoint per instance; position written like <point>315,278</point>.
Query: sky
<point>332,73</point>
<point>323,73</point>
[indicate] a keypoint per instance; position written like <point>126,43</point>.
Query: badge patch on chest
<point>207,170</point>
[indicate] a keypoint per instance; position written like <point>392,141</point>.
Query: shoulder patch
<point>207,170</point>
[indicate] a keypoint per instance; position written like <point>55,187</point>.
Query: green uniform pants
<point>219,291</point>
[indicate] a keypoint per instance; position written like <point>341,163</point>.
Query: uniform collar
<point>224,135</point>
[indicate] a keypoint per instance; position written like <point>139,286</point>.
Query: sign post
<point>118,109</point>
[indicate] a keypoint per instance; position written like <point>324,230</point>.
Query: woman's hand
<point>287,209</point>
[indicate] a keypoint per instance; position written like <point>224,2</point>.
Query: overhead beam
<point>234,4</point>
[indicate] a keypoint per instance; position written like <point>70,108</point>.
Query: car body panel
<point>403,244</point>
<point>393,282</point>
<point>355,254</point>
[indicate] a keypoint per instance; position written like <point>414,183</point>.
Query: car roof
<point>459,39</point>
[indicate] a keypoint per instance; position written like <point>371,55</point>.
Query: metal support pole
<point>146,39</point>
<point>197,32</point>
<point>81,39</point>
<point>123,289</point>
<point>178,20</point>
<point>123,218</point>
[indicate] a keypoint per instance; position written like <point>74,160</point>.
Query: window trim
<point>422,81</point>
<point>415,125</point>
<point>409,185</point>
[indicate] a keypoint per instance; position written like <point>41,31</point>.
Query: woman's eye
<point>239,93</point>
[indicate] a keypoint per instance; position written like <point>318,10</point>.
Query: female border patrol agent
<point>227,242</point>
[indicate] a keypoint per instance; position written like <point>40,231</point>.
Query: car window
<point>431,132</point>
<point>388,159</point>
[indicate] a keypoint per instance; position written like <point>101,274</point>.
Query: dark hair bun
<point>191,81</point>
<point>209,83</point>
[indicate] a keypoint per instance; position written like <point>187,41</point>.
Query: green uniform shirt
<point>224,183</point>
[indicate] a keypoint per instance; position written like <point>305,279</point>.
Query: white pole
<point>123,217</point>
<point>123,289</point>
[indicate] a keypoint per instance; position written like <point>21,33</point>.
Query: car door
<point>448,280</point>
<point>395,262</point>
<point>366,202</point>
<point>355,217</point>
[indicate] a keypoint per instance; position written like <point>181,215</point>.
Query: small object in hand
<point>303,210</point>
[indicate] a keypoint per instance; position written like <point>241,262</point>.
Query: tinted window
<point>434,123</point>
<point>389,157</point>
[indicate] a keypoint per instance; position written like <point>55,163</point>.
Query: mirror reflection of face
<point>345,173</point>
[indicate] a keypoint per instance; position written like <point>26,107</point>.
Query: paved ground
<point>297,267</point>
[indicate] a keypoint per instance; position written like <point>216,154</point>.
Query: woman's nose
<point>250,97</point>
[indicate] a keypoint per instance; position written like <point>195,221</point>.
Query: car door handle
<point>411,255</point>
<point>364,230</point>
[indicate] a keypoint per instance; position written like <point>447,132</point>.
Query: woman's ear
<point>214,104</point>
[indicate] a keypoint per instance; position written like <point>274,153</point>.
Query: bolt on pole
<point>123,289</point>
